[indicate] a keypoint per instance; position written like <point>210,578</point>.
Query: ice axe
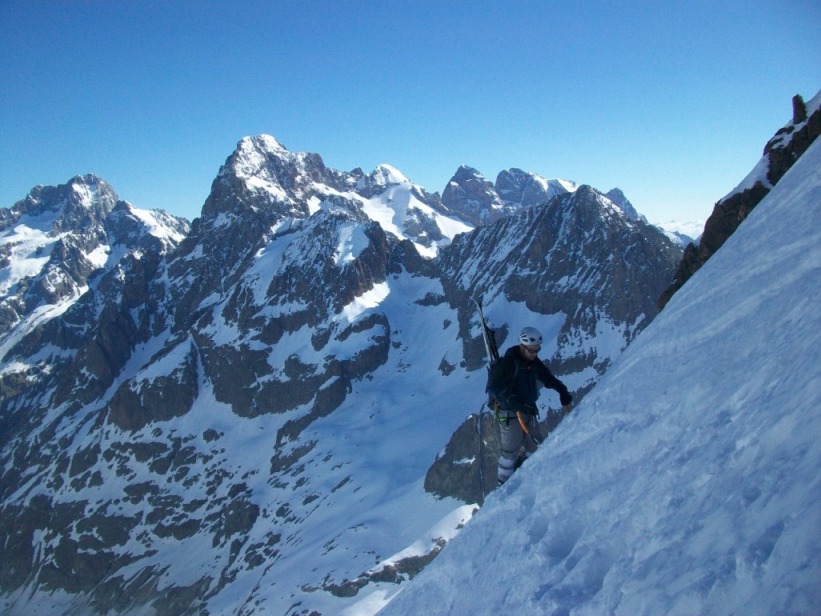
<point>520,416</point>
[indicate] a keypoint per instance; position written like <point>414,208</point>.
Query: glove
<point>565,398</point>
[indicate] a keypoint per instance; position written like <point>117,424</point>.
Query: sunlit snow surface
<point>688,481</point>
<point>29,246</point>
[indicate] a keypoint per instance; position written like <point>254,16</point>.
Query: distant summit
<point>478,201</point>
<point>617,197</point>
<point>58,241</point>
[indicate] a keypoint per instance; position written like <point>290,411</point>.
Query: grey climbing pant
<point>515,446</point>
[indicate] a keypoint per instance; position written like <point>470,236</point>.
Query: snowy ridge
<point>160,224</point>
<point>29,248</point>
<point>399,211</point>
<point>686,482</point>
<point>384,175</point>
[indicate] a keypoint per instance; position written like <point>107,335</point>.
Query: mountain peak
<point>523,188</point>
<point>264,142</point>
<point>82,201</point>
<point>466,172</point>
<point>379,179</point>
<point>253,154</point>
<point>472,196</point>
<point>617,196</point>
<point>512,183</point>
<point>388,175</point>
<point>261,173</point>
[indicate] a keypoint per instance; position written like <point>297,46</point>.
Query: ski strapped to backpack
<point>492,351</point>
<point>488,336</point>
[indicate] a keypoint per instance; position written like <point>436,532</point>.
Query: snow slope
<point>687,481</point>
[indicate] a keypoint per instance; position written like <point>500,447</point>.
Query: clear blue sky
<point>670,101</point>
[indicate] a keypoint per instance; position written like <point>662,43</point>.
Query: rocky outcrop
<point>617,196</point>
<point>786,146</point>
<point>466,469</point>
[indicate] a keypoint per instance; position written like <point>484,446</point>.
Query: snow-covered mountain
<point>470,196</point>
<point>59,240</point>
<point>263,174</point>
<point>245,422</point>
<point>687,481</point>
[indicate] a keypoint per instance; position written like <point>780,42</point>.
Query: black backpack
<point>494,399</point>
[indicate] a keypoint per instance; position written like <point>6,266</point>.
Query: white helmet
<point>530,336</point>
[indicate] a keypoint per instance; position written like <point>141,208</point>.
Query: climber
<point>514,383</point>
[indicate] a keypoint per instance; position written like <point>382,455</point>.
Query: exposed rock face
<point>786,146</point>
<point>478,201</point>
<point>520,188</point>
<point>617,196</point>
<point>471,196</point>
<point>261,174</point>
